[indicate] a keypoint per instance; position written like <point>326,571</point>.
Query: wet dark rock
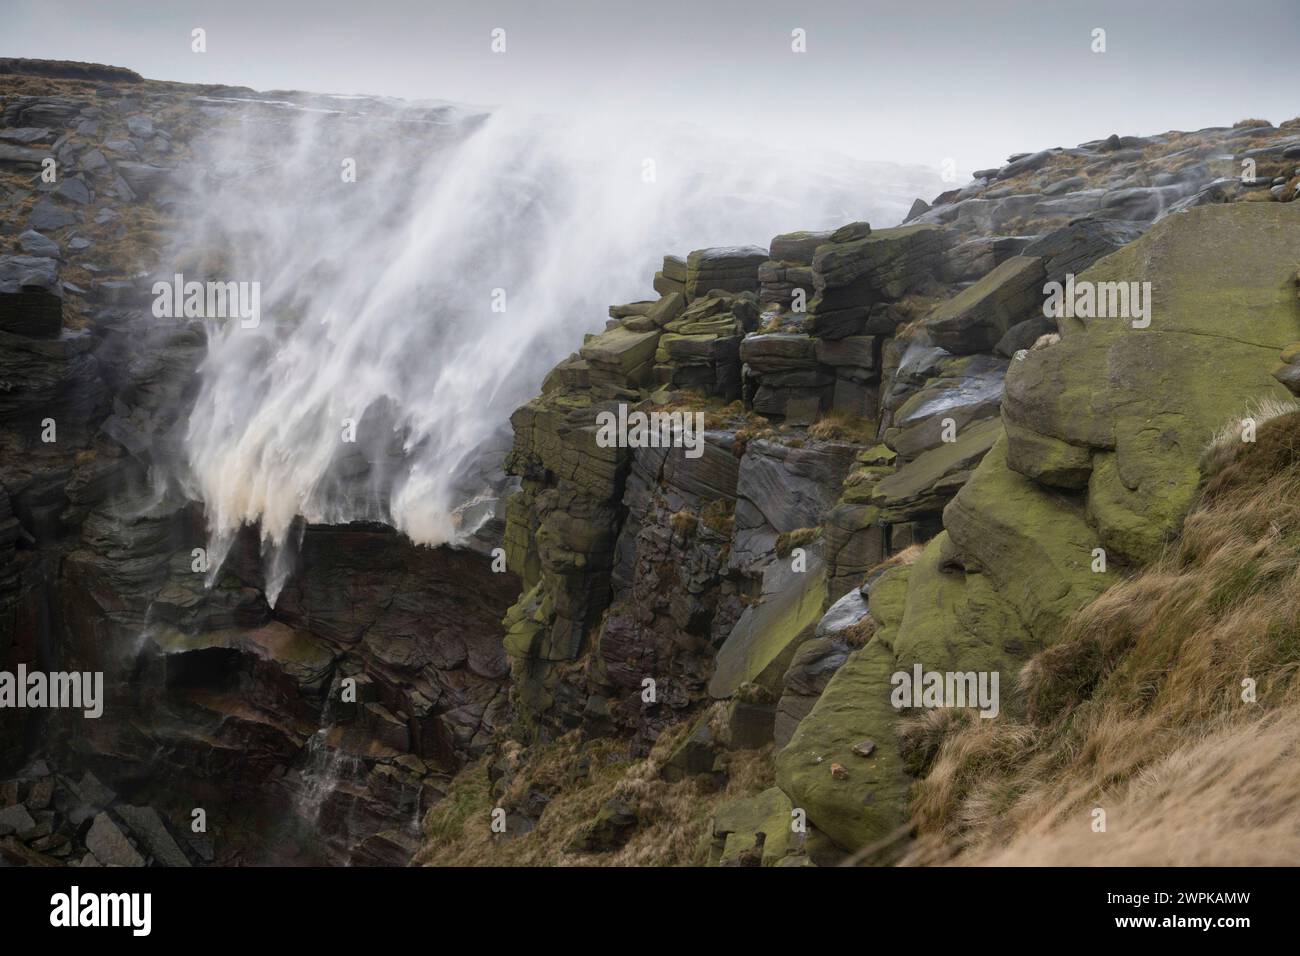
<point>110,845</point>
<point>34,244</point>
<point>966,392</point>
<point>1141,202</point>
<point>91,791</point>
<point>73,190</point>
<point>31,305</point>
<point>976,257</point>
<point>1073,248</point>
<point>16,820</point>
<point>145,180</point>
<point>729,269</point>
<point>781,489</point>
<point>40,794</point>
<point>27,135</point>
<point>919,207</point>
<point>149,829</point>
<point>1025,162</point>
<point>47,215</point>
<point>1023,335</point>
<point>1068,185</point>
<point>976,318</point>
<point>21,157</point>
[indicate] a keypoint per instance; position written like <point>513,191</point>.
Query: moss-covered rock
<point>761,644</point>
<point>1221,307</point>
<point>1034,543</point>
<point>958,621</point>
<point>621,356</point>
<point>1046,459</point>
<point>737,825</point>
<point>925,485</point>
<point>867,800</point>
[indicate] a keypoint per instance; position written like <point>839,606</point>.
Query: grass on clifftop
<point>1139,711</point>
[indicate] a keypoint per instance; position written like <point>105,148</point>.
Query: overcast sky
<point>911,80</point>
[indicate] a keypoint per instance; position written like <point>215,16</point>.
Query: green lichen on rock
<point>621,356</point>
<point>759,648</point>
<point>868,800</point>
<point>1034,543</point>
<point>1221,308</point>
<point>1046,459</point>
<point>924,485</point>
<point>958,621</point>
<point>526,622</point>
<point>738,825</point>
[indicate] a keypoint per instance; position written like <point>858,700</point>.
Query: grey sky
<point>916,81</point>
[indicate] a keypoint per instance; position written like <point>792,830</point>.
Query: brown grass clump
<point>1172,703</point>
<point>787,541</point>
<point>673,818</point>
<point>1226,444</point>
<point>1250,123</point>
<point>838,426</point>
<point>1226,798</point>
<point>757,431</point>
<point>1258,195</point>
<point>719,515</point>
<point>858,634</point>
<point>908,555</point>
<point>684,522</point>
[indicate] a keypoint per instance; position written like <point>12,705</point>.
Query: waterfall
<point>323,768</point>
<point>420,304</point>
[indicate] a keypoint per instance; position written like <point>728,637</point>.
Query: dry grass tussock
<point>1223,447</point>
<point>1141,709</point>
<point>839,426</point>
<point>674,818</point>
<point>909,555</point>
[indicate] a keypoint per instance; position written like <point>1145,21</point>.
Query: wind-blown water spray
<point>420,269</point>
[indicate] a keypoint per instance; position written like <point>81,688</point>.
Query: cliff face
<point>318,730</point>
<point>901,462</point>
<point>922,397</point>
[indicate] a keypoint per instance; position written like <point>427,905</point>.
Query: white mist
<point>377,295</point>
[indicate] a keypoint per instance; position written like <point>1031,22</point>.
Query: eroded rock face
<point>865,390</point>
<point>1019,553</point>
<point>856,273</point>
<point>314,731</point>
<point>334,718</point>
<point>962,393</point>
<point>911,331</point>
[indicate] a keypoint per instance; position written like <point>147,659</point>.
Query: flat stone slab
<point>977,317</point>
